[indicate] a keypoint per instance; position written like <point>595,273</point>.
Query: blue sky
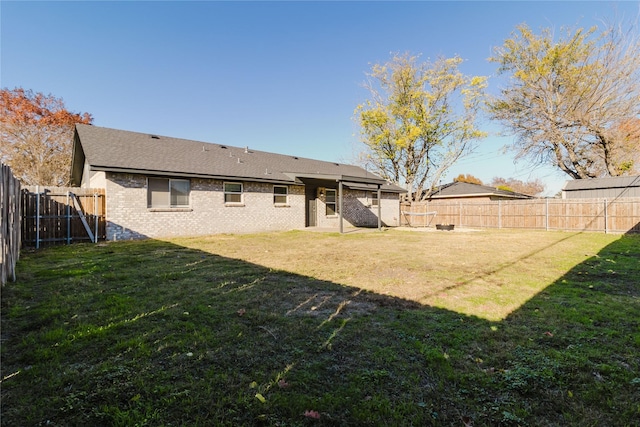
<point>283,77</point>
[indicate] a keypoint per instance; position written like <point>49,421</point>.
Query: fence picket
<point>620,215</point>
<point>10,209</point>
<point>65,215</point>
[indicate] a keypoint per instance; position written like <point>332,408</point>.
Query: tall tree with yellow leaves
<point>420,120</point>
<point>573,101</point>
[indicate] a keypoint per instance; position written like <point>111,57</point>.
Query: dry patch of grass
<point>488,274</point>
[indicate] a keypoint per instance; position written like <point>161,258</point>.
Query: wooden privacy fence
<point>9,224</point>
<point>621,215</point>
<point>62,215</point>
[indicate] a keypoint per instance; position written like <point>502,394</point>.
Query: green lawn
<point>496,328</point>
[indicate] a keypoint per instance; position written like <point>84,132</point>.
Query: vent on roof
<point>223,146</point>
<point>295,157</point>
<point>154,136</point>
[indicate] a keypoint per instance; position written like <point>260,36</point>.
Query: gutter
<point>188,175</point>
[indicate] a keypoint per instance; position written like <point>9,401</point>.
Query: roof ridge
<point>137,152</point>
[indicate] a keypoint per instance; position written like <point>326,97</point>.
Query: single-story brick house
<point>465,191</point>
<point>159,186</point>
<point>602,188</point>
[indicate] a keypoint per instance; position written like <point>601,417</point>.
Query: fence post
<point>95,213</point>
<point>11,229</point>
<point>68,220</point>
<point>546,214</point>
<point>460,214</point>
<point>606,217</point>
<point>37,217</point>
<point>499,214</point>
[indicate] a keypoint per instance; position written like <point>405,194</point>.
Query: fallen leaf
<point>241,311</point>
<point>261,398</point>
<point>467,421</point>
<point>312,414</point>
<point>283,384</point>
<point>549,334</point>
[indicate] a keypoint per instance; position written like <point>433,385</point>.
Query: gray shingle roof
<point>602,183</point>
<point>118,150</point>
<point>462,189</point>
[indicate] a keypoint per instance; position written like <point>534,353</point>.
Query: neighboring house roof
<point>602,183</point>
<point>466,189</point>
<point>132,152</point>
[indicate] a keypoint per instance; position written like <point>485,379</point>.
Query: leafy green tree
<point>420,119</point>
<point>570,100</point>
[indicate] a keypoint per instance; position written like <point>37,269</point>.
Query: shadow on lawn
<point>151,333</point>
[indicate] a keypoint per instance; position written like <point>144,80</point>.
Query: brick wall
<point>358,209</point>
<point>129,217</point>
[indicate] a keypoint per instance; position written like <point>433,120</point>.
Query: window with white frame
<point>233,192</point>
<point>280,193</point>
<point>330,202</point>
<point>374,198</point>
<point>168,193</point>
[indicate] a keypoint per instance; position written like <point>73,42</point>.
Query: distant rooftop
<point>602,183</point>
<point>461,189</point>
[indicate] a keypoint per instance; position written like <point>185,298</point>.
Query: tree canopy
<point>420,119</point>
<point>573,102</point>
<point>36,133</point>
<point>531,188</point>
<point>467,178</point>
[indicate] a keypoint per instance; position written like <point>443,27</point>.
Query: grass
<point>491,328</point>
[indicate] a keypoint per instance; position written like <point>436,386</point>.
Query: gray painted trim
<point>337,178</point>
<point>189,175</point>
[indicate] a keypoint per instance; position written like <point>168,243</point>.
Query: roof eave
<point>336,177</point>
<point>77,160</point>
<point>189,175</point>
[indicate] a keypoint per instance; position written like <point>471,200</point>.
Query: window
<point>280,194</point>
<point>374,198</point>
<point>233,192</point>
<point>168,193</point>
<point>330,202</point>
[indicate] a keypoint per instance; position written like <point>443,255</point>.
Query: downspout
<point>379,209</point>
<point>340,205</point>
